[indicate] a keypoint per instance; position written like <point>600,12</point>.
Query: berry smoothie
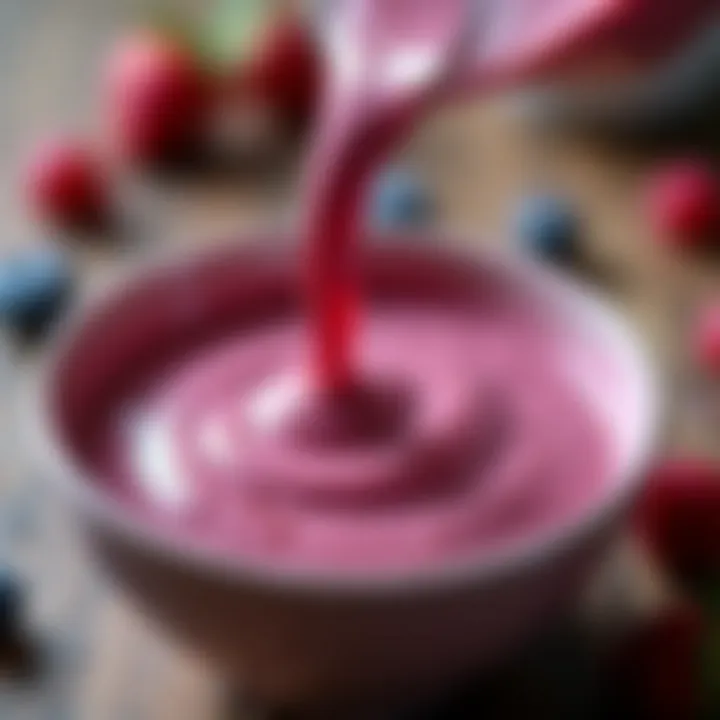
<point>469,429</point>
<point>335,419</point>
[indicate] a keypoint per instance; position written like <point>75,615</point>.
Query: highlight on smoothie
<point>359,363</point>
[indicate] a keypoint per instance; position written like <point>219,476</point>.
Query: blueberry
<point>400,200</point>
<point>547,226</point>
<point>12,601</point>
<point>34,288</point>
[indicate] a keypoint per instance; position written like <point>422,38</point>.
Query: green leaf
<point>232,26</point>
<point>169,21</point>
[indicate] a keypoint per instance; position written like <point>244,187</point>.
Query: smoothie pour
<point>456,423</point>
<point>390,60</point>
<point>387,60</point>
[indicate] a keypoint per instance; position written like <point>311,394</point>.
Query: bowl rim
<point>503,563</point>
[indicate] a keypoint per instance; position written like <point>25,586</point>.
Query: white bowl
<point>294,636</point>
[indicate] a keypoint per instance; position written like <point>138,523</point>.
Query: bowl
<point>298,637</point>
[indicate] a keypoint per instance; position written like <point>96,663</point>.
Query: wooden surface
<point>99,661</point>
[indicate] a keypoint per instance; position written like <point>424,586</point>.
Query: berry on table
<point>34,288</point>
<point>12,601</point>
<point>658,666</point>
<point>18,657</point>
<point>65,183</point>
<point>678,518</point>
<point>683,203</point>
<point>547,226</point>
<point>399,200</point>
<point>706,339</point>
<point>157,98</point>
<point>284,69</point>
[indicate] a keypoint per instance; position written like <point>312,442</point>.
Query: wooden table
<point>100,660</point>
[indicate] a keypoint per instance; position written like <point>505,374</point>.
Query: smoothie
<point>468,434</point>
<point>325,424</point>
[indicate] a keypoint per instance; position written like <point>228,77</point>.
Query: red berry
<point>65,183</point>
<point>706,339</point>
<point>284,70</point>
<point>683,202</point>
<point>157,98</point>
<point>679,517</point>
<point>660,664</point>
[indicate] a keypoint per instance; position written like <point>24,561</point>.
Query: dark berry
<point>658,667</point>
<point>12,602</point>
<point>400,200</point>
<point>34,289</point>
<point>678,517</point>
<point>548,227</point>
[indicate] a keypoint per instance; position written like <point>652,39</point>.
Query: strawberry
<point>65,183</point>
<point>157,97</point>
<point>679,518</point>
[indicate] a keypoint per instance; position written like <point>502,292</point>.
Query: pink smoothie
<point>350,428</point>
<point>473,431</point>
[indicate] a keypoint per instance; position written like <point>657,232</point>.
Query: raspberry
<point>679,518</point>
<point>285,70</point>
<point>65,183</point>
<point>706,339</point>
<point>683,203</point>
